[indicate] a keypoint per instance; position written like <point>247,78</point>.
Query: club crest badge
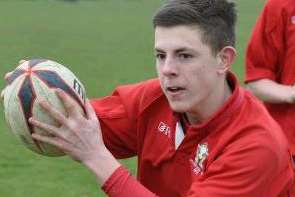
<point>201,155</point>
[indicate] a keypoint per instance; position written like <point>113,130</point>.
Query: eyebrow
<point>177,51</point>
<point>183,49</point>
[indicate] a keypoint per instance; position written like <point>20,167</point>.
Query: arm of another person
<point>264,58</point>
<point>272,92</point>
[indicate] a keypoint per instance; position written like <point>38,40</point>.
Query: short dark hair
<point>215,18</point>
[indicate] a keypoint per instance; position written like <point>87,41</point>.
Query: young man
<point>195,131</point>
<point>270,63</point>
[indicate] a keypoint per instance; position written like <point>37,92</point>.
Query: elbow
<point>250,86</point>
<point>254,88</point>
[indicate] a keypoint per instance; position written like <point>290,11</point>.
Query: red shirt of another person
<point>271,55</point>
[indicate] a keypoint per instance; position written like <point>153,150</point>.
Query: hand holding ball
<point>30,81</point>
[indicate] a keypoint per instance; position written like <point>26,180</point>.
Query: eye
<point>185,56</point>
<point>160,56</point>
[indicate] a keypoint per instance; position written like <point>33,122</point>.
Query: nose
<point>169,67</point>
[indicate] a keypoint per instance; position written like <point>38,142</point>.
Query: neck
<point>210,105</point>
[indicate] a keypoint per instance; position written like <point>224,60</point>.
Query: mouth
<point>174,89</point>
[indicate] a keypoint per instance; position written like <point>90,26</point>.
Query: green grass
<point>106,43</point>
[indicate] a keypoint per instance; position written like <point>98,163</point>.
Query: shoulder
<point>253,126</point>
<point>145,91</point>
<point>257,136</point>
<point>128,100</point>
<point>259,128</point>
<point>275,13</point>
<point>140,95</point>
<point>277,8</point>
<point>151,86</point>
<point>279,4</point>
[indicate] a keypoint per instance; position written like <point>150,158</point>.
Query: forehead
<point>179,37</point>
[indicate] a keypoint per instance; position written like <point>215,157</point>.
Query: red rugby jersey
<point>240,151</point>
<point>271,55</point>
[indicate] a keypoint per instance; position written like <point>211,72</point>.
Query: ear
<point>226,58</point>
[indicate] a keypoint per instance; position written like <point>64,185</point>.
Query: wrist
<point>103,165</point>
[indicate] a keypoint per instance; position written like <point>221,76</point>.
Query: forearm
<point>272,92</point>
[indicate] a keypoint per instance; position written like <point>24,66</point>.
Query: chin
<point>178,107</point>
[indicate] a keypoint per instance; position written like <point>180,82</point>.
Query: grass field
<point>106,43</point>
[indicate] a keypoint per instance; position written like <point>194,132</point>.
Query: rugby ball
<point>30,81</point>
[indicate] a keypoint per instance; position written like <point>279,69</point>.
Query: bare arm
<point>272,92</point>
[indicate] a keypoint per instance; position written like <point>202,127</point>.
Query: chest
<point>171,155</point>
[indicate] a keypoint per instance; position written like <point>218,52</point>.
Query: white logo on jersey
<point>201,156</point>
<point>164,128</point>
<point>293,20</point>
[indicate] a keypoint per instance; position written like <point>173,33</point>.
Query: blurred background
<point>105,43</point>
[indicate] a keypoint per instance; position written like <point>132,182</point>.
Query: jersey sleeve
<point>245,169</point>
<point>122,184</point>
<point>266,45</point>
<point>117,114</point>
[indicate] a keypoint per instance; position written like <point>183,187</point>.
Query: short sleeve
<point>265,48</point>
